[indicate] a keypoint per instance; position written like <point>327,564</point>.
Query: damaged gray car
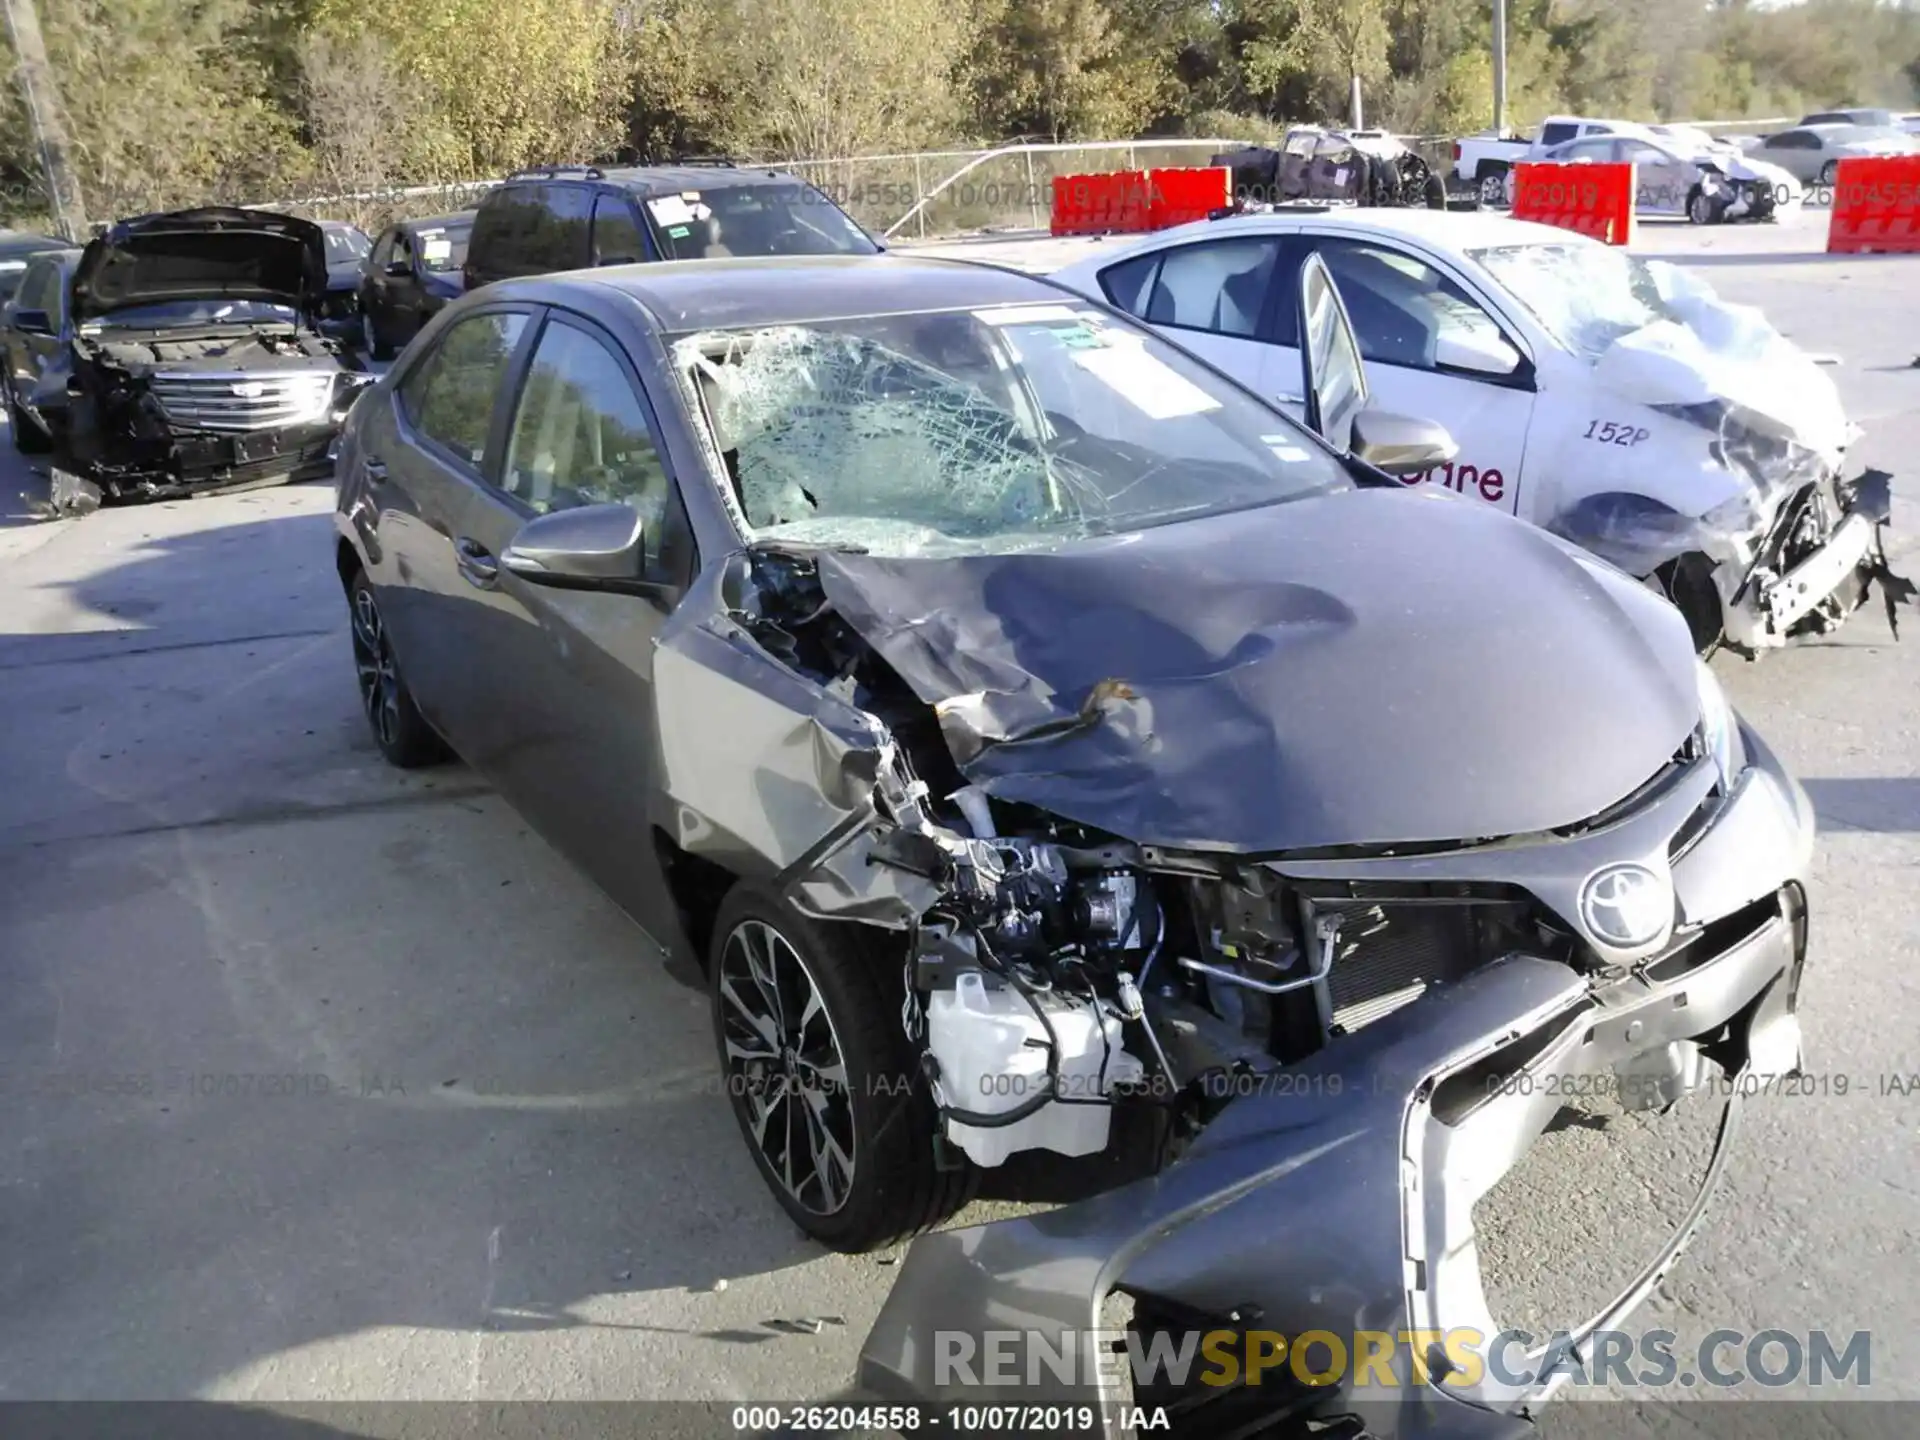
<point>1049,747</point>
<point>198,365</point>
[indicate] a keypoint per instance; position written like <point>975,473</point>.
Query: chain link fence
<point>917,195</point>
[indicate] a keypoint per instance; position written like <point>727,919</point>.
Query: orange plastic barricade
<point>1175,197</point>
<point>1876,206</point>
<point>1594,200</point>
<point>1099,204</point>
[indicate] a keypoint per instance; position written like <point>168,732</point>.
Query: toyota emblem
<point>1627,906</point>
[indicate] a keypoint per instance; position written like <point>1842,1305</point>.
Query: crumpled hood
<point>1737,166</point>
<point>216,252</point>
<point>1362,668</point>
<point>1719,351</point>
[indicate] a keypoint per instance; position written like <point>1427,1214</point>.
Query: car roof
<point>1443,229</point>
<point>460,219</point>
<point>795,290</point>
<point>14,242</point>
<point>648,180</point>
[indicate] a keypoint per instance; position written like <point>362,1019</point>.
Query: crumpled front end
<point>1732,495</point>
<point>1334,1197</point>
<point>165,420</point>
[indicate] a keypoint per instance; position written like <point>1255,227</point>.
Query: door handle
<point>477,565</point>
<point>375,470</point>
<point>1291,399</point>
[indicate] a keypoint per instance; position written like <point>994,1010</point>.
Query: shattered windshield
<point>1585,295</point>
<point>983,430</point>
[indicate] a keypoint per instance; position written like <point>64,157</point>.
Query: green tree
<point>502,86</point>
<point>1067,70</point>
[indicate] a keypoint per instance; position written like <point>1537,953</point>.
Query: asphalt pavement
<point>328,1082</point>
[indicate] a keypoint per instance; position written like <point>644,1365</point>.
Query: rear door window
<point>449,397</point>
<point>1220,286</point>
<point>509,235</point>
<point>616,238</point>
<point>566,243</point>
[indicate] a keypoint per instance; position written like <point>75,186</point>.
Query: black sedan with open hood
<point>1050,749</point>
<point>198,365</point>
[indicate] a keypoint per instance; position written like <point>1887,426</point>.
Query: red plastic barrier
<point>1876,206</point>
<point>1175,197</point>
<point>1594,200</point>
<point>1100,204</point>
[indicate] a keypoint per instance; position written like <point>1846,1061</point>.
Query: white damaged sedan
<point>1707,185</point>
<point>1614,401</point>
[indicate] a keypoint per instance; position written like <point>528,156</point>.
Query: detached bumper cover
<point>1344,1204</point>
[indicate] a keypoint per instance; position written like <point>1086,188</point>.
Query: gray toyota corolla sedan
<point>1050,747</point>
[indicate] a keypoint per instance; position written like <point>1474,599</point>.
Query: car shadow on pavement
<point>298,1049</point>
<point>1884,804</point>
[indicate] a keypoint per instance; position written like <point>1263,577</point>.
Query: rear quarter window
<point>513,234</point>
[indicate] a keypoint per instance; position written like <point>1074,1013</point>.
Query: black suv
<point>573,217</point>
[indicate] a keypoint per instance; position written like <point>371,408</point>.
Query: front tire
<point>821,1077</point>
<point>1688,583</point>
<point>1700,208</point>
<point>1829,172</point>
<point>399,729</point>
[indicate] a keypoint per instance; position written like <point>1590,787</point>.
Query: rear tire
<point>1829,172</point>
<point>399,729</point>
<point>1493,187</point>
<point>822,1079</point>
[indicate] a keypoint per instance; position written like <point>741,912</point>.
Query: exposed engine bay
<point>1065,972</point>
<point>197,364</point>
<point>250,349</point>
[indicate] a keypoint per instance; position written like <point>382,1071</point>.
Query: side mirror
<point>399,267</point>
<point>593,547</point>
<point>1475,351</point>
<point>32,322</point>
<point>1400,444</point>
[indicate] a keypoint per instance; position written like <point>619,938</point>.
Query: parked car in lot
<point>1485,161</point>
<point>1706,187</point>
<point>196,361</point>
<point>1878,118</point>
<point>347,247</point>
<point>1812,153</point>
<point>1014,712</point>
<point>17,247</point>
<point>1612,400</point>
<point>410,274</point>
<point>571,217</point>
<point>35,334</point>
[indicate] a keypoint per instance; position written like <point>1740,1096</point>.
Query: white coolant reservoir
<point>992,1052</point>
